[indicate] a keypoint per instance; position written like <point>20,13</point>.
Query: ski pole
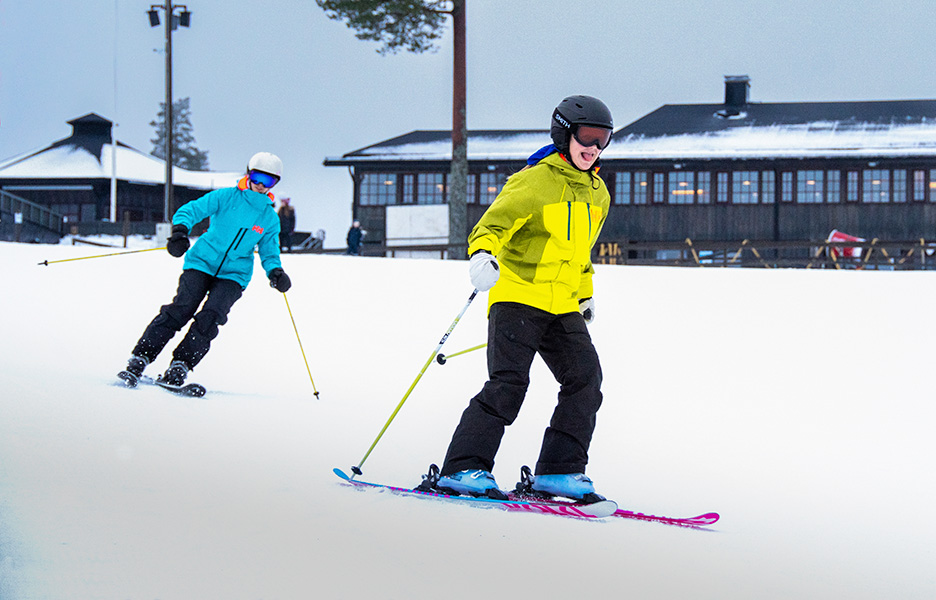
<point>357,469</point>
<point>300,345</point>
<point>51,262</point>
<point>442,358</point>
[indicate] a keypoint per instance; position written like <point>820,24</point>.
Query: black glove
<point>280,280</point>
<point>178,242</point>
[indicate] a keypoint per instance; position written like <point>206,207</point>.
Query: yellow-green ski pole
<point>357,469</point>
<point>52,262</point>
<point>300,345</point>
<point>442,358</point>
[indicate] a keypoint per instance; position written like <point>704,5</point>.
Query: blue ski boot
<point>470,482</point>
<point>576,486</point>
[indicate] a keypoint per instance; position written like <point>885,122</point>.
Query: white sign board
<point>417,224</point>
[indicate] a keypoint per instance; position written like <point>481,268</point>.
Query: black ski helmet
<point>577,110</point>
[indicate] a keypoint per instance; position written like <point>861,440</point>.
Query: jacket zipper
<point>234,244</point>
<point>569,226</point>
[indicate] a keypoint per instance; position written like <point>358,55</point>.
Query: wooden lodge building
<point>719,173</point>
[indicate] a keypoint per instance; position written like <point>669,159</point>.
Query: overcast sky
<point>280,76</point>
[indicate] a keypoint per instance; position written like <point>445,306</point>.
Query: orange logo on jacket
<point>595,214</point>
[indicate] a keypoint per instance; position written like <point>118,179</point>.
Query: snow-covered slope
<point>798,404</point>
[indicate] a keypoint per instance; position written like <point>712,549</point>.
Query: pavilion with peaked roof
<point>72,177</point>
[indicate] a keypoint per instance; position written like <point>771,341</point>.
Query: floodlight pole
<point>168,208</point>
<point>171,23</point>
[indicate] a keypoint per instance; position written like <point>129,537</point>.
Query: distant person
<point>287,217</point>
<point>218,268</point>
<point>532,249</point>
<point>355,236</point>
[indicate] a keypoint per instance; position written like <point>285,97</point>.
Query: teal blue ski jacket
<point>241,219</point>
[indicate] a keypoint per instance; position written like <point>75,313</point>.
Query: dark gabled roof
<point>689,119</point>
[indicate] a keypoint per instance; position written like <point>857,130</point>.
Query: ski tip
<point>341,474</point>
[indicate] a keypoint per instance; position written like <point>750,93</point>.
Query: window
<point>833,186</point>
<point>851,192</point>
<point>622,187</point>
<point>919,186</point>
<point>722,179</point>
<point>472,189</point>
<point>932,185</point>
<point>900,185</point>
<point>430,188</point>
<point>491,186</point>
<point>704,187</point>
<point>809,187</point>
<point>409,189</point>
<point>681,187</point>
<point>768,187</point>
<point>640,187</point>
<point>875,186</point>
<point>786,186</point>
<point>378,189</point>
<point>659,188</point>
<point>744,185</point>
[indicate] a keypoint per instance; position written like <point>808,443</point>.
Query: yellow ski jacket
<point>541,228</point>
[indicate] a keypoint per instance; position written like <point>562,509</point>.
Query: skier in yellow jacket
<point>532,250</point>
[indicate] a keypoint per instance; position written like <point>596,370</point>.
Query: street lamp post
<point>172,21</point>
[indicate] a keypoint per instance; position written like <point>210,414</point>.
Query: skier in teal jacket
<point>241,219</point>
<point>216,270</point>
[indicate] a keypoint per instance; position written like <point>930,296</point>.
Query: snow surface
<point>798,404</point>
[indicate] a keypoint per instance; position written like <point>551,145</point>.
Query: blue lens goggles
<point>261,178</point>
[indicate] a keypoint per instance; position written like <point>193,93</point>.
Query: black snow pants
<point>516,332</point>
<point>193,287</point>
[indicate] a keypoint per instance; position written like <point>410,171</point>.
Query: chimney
<point>736,90</point>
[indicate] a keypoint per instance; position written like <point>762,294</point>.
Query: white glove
<point>483,270</point>
<point>587,308</point>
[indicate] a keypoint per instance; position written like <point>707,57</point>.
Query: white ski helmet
<point>266,162</point>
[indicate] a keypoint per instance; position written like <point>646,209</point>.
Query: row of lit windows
<point>760,187</point>
<point>682,187</point>
<point>381,189</point>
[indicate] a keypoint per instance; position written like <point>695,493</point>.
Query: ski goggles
<point>587,135</point>
<point>262,178</point>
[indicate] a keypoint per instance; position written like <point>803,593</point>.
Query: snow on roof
<point>437,146</point>
<point>69,161</point>
<point>817,139</point>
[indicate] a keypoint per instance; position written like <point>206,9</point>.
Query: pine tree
<point>415,25</point>
<point>184,152</point>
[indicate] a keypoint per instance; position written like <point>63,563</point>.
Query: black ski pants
<point>516,332</point>
<point>194,286</point>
